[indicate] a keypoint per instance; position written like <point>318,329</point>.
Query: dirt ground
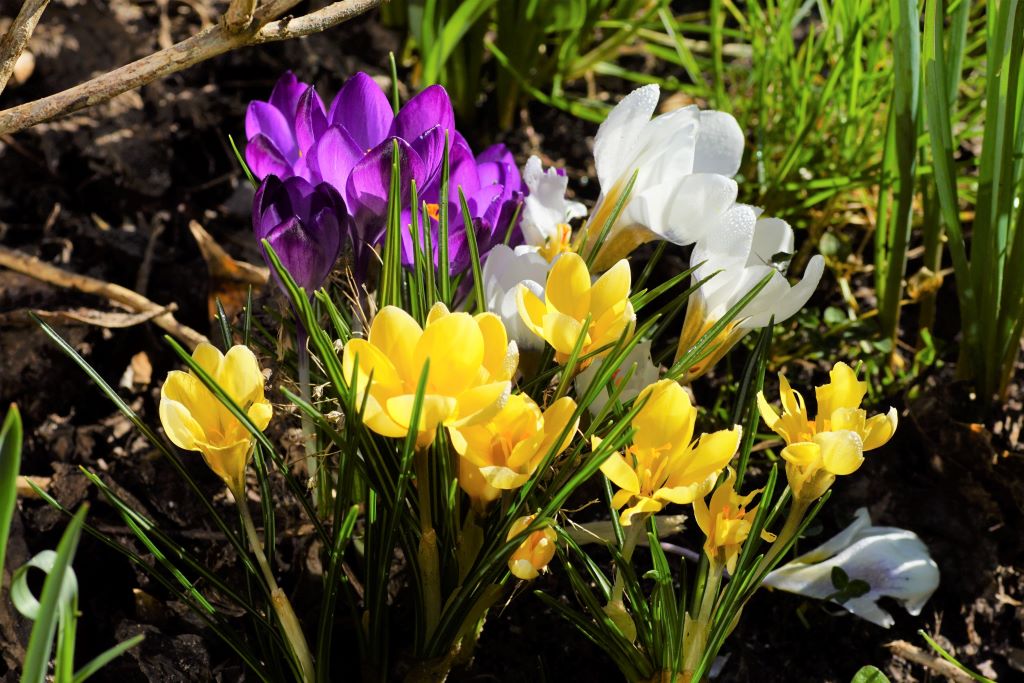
<point>109,193</point>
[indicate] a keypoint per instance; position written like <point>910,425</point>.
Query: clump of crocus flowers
<point>471,392</point>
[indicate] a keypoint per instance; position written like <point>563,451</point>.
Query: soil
<point>109,193</point>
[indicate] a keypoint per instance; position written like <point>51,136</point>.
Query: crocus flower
<point>645,373</point>
<point>726,522</point>
<point>894,563</point>
<point>304,223</point>
<point>546,211</point>
<point>194,419</point>
<point>503,272</point>
<point>736,256</point>
<point>833,442</point>
<point>569,298</point>
<point>281,130</point>
<point>685,161</point>
<point>664,465</point>
<point>505,450</point>
<point>471,363</point>
<point>530,558</point>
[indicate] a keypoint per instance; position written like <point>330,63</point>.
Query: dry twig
<point>40,270</point>
<point>264,27</point>
<point>16,38</point>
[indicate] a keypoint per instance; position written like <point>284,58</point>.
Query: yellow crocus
<point>664,465</point>
<point>471,363</point>
<point>726,522</point>
<point>503,453</point>
<point>569,298</point>
<point>194,419</point>
<point>534,554</point>
<point>833,442</point>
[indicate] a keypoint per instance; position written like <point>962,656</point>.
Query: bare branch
<point>40,270</point>
<point>16,38</point>
<point>208,43</point>
<point>314,22</point>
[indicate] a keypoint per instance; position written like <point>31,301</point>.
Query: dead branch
<point>16,38</point>
<point>210,42</point>
<point>40,270</point>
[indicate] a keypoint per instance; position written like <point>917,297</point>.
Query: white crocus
<point>684,161</point>
<point>893,562</point>
<point>546,211</point>
<point>645,373</point>
<point>736,256</point>
<point>503,271</point>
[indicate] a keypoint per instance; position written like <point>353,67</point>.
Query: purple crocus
<point>281,130</point>
<point>304,223</point>
<point>352,145</point>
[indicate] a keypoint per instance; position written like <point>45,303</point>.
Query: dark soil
<point>109,193</point>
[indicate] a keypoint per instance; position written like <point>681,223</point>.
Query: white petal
<point>719,144</point>
<point>793,300</point>
<point>771,236</point>
<point>615,145</point>
<point>893,562</point>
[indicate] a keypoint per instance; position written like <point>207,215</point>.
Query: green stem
<point>797,510</point>
<point>430,565</point>
<point>308,429</point>
<point>282,607</point>
<point>633,534</point>
<point>695,638</point>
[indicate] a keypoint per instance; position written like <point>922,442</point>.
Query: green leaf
<point>869,674</point>
<point>10,465</point>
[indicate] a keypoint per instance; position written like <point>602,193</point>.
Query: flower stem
<point>794,518</point>
<point>308,429</point>
<point>282,607</point>
<point>633,534</point>
<point>696,635</point>
<point>430,565</point>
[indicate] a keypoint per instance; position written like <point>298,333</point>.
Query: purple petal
<point>462,172</point>
<point>362,109</point>
<point>430,148</point>
<point>307,263</point>
<point>262,118</point>
<point>264,159</point>
<point>286,94</point>
<point>267,207</point>
<point>333,156</point>
<point>310,119</point>
<point>370,180</point>
<point>430,108</point>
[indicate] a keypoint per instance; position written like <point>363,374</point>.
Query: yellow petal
<point>804,454</point>
<point>260,414</point>
<point>848,419</point>
<point>395,333</point>
<point>240,376</point>
<point>479,403</point>
<point>879,429</point>
<point>642,508</point>
<point>531,310</point>
<point>181,428</point>
<point>503,478</point>
<point>568,287</point>
<point>434,411</point>
<point>454,345</point>
<point>621,497</point>
<point>208,357</point>
<point>611,289</point>
<point>228,461</point>
<point>667,417</point>
<point>495,346</point>
<point>843,391</point>
<point>436,312</point>
<point>556,417</point>
<point>186,389</point>
<point>709,457</point>
<point>385,380</point>
<point>620,473</point>
<point>841,452</point>
<point>473,482</point>
<point>768,413</point>
<point>562,332</point>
